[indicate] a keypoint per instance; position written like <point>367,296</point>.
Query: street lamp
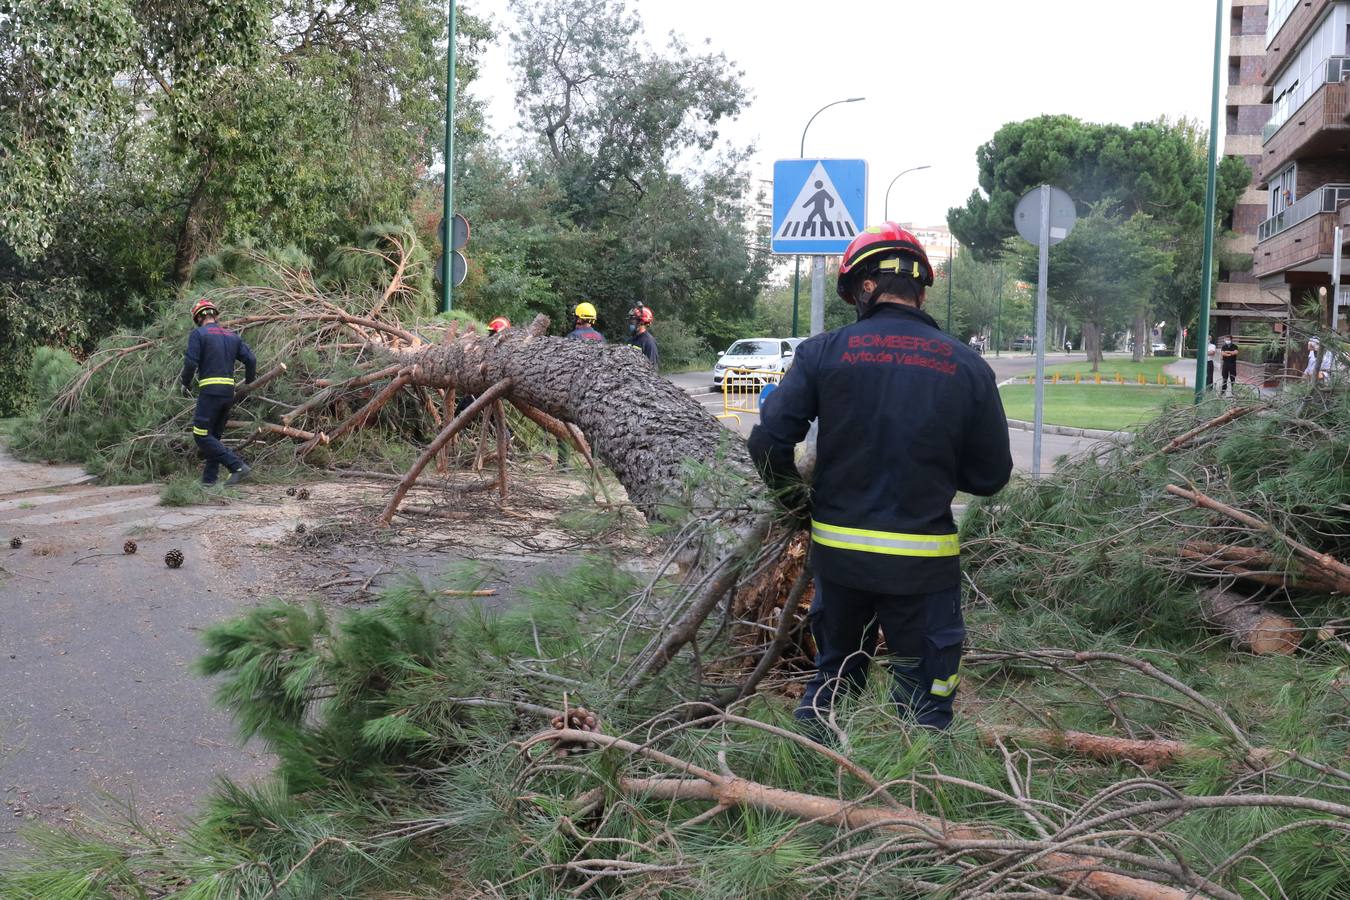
<point>797,263</point>
<point>886,206</point>
<point>951,274</point>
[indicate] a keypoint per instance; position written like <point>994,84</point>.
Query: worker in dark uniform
<point>907,417</point>
<point>212,352</point>
<point>639,335</point>
<point>584,316</point>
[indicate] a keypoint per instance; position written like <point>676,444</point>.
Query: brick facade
<point>1246,116</point>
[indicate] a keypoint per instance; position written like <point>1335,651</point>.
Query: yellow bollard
<point>1097,377</point>
<point>1077,377</point>
<point>1056,378</point>
<point>1142,380</point>
<point>1119,379</point>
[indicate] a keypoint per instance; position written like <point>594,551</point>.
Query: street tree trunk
<point>650,433</point>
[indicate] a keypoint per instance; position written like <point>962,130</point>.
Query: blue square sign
<point>819,205</point>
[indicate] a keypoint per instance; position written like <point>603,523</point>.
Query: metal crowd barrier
<point>741,389</point>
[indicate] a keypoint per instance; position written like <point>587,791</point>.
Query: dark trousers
<point>208,424</point>
<point>1209,374</point>
<point>1229,378</point>
<point>924,634</point>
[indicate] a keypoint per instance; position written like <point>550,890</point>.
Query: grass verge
<point>1151,367</point>
<point>1109,407</point>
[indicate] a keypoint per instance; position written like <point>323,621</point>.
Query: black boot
<point>239,474</point>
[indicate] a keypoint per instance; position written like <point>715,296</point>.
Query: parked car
<point>1159,347</point>
<point>766,355</point>
<point>1025,342</point>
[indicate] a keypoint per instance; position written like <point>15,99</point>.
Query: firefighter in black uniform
<point>907,417</point>
<point>212,351</point>
<point>640,336</point>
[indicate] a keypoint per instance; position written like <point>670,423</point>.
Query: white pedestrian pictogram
<point>818,211</point>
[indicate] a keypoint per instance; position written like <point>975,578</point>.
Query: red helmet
<point>640,314</point>
<point>501,323</point>
<point>874,250</point>
<point>203,306</point>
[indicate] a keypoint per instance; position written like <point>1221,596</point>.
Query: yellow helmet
<point>585,312</point>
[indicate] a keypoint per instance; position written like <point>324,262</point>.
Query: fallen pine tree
<point>395,727</point>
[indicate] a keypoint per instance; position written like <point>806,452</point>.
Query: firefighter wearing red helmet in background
<point>499,324</point>
<point>639,321</point>
<point>907,417</point>
<point>212,352</point>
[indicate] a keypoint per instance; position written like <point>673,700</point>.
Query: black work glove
<point>797,504</point>
<point>186,389</point>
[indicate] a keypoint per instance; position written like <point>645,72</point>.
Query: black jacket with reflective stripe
<point>212,352</point>
<point>908,416</point>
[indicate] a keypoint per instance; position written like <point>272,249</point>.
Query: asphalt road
<point>97,699</point>
<point>1008,365</point>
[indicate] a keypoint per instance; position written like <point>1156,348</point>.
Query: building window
<point>1282,190</point>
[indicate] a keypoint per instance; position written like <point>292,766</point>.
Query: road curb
<point>1070,431</point>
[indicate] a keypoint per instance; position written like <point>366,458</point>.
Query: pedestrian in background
<point>1228,360</point>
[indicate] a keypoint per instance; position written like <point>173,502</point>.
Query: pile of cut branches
<point>1233,515</point>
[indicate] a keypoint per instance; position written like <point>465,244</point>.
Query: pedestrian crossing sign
<point>819,205</point>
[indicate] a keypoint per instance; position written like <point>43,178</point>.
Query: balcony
<point>1302,234</point>
<point>1288,24</point>
<point>1277,13</point>
<point>1335,69</point>
<point>1325,199</point>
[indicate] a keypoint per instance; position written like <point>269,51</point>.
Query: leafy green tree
<point>1152,169</point>
<point>1100,272</point>
<point>57,62</point>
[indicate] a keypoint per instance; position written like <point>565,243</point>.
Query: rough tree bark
<point>643,427</point>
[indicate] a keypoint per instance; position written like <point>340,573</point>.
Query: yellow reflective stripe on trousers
<point>893,543</point>
<point>943,687</point>
<point>206,382</point>
<point>199,432</point>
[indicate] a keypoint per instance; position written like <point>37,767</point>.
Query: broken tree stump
<point>1251,626</point>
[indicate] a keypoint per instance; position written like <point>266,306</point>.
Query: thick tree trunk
<point>1092,343</point>
<point>188,246</point>
<point>1143,338</point>
<point>651,434</point>
<point>1251,626</point>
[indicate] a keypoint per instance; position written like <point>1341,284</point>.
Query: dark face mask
<point>632,328</point>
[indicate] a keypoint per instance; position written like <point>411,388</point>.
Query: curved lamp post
<point>886,206</point>
<point>797,268</point>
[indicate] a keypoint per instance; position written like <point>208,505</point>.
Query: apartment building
<point>1239,297</point>
<point>1304,171</point>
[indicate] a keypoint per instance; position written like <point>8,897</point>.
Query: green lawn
<point>1150,368</point>
<point>1110,407</point>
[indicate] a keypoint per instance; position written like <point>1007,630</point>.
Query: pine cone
<point>302,494</point>
<point>578,719</point>
<point>174,558</point>
<point>15,543</point>
<point>129,547</point>
<point>300,528</point>
<point>290,492</point>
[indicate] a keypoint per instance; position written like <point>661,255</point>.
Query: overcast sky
<point>940,76</point>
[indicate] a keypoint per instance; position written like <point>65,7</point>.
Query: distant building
<point>936,240</point>
<point>1304,169</point>
<point>1240,298</point>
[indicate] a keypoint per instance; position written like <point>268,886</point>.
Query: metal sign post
<point>1044,216</point>
<point>1042,276</point>
<point>817,294</point>
<point>1336,280</point>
